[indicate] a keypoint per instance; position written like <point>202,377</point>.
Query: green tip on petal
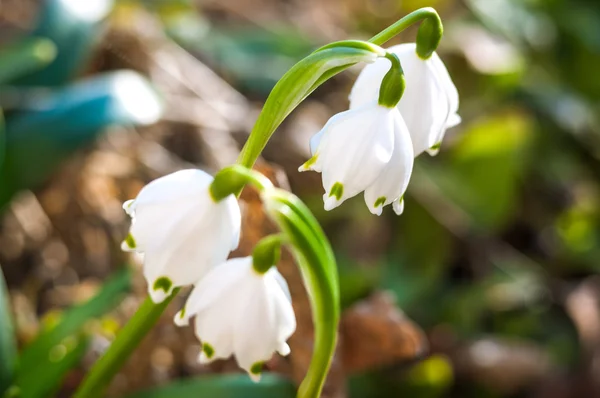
<point>337,190</point>
<point>307,165</point>
<point>208,350</point>
<point>130,241</point>
<point>436,147</point>
<point>380,201</point>
<point>256,368</point>
<point>163,283</point>
<point>182,313</point>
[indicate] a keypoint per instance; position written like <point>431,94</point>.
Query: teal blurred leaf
<point>8,345</point>
<point>224,386</point>
<point>75,27</point>
<point>25,56</point>
<point>53,125</point>
<point>66,337</point>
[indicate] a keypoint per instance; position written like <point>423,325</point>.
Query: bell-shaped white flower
<point>181,230</point>
<point>241,311</point>
<point>429,104</point>
<point>391,183</point>
<point>364,149</point>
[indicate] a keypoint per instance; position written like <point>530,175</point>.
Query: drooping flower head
<point>430,102</point>
<point>368,149</point>
<point>242,311</point>
<point>181,230</point>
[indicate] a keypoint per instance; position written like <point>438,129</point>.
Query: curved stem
<point>316,261</point>
<point>121,348</point>
<point>426,13</point>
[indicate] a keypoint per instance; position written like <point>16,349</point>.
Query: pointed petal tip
<point>398,206</point>
<point>180,319</point>
<point>129,207</point>
<point>125,247</point>
<point>284,350</point>
<point>159,295</point>
<point>330,203</point>
<point>203,359</point>
<point>254,377</point>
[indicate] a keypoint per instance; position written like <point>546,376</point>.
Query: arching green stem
<point>319,271</point>
<point>428,37</point>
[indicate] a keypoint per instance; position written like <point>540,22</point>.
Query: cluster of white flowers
<point>186,237</point>
<point>371,147</point>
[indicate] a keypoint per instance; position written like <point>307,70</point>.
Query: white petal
<point>255,335</point>
<point>232,220</point>
<point>181,184</point>
<point>156,224</point>
<point>315,140</point>
<point>267,322</point>
<point>429,103</point>
<point>286,319</point>
<point>203,243</point>
<point>218,282</point>
<point>355,149</point>
<point>282,282</point>
<point>398,206</point>
<point>284,349</point>
<point>393,181</point>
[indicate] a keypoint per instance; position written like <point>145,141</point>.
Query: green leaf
<point>224,386</point>
<point>36,354</point>
<point>25,56</point>
<point>301,80</point>
<point>8,345</point>
<point>52,368</point>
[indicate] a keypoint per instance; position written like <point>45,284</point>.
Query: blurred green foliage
<point>497,227</point>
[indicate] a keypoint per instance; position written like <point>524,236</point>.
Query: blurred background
<point>485,287</point>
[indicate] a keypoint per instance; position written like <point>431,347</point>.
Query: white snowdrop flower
<point>239,310</point>
<point>391,183</point>
<point>181,230</point>
<point>364,149</point>
<point>430,102</point>
<point>352,150</point>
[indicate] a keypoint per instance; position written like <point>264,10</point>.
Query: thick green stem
<point>429,35</point>
<point>121,348</point>
<point>317,264</point>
